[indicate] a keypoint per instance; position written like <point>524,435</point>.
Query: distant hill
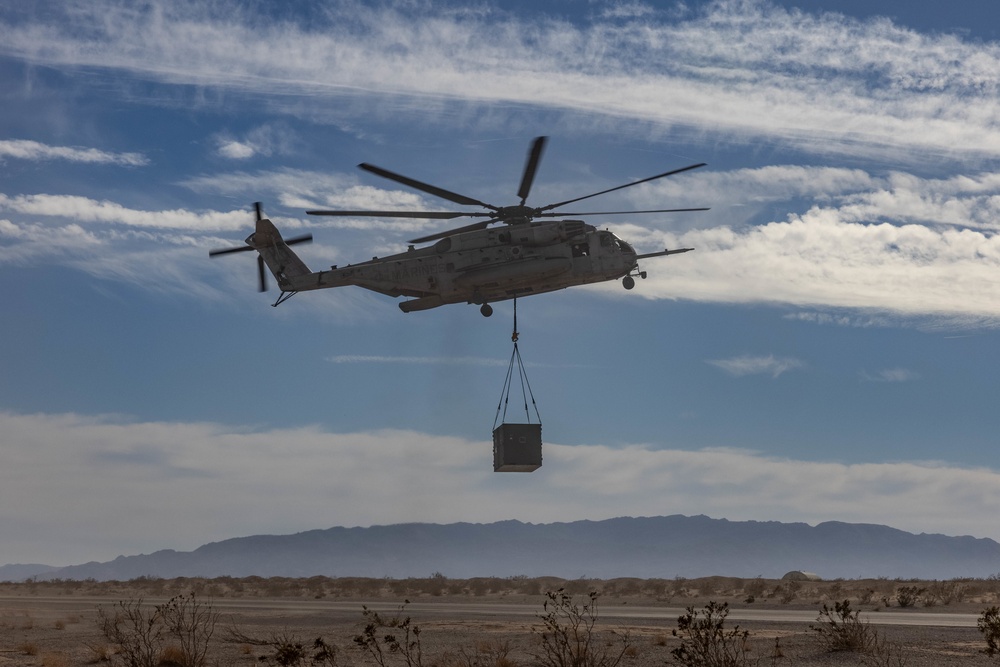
<point>648,547</point>
<point>23,571</point>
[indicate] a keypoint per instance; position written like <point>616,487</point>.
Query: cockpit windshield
<point>623,246</point>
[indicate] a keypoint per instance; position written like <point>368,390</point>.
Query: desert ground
<point>492,622</point>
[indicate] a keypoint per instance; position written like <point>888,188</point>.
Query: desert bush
<point>568,638</point>
<point>907,596</point>
<point>842,629</point>
<point>28,648</point>
<point>883,653</point>
<point>755,588</point>
<point>98,652</point>
<point>141,631</point>
<point>946,592</point>
<point>135,629</point>
<point>788,591</point>
<point>397,634</point>
<point>989,626</point>
<point>283,648</point>
<point>705,642</point>
<point>191,623</point>
<point>55,659</point>
<point>487,653</point>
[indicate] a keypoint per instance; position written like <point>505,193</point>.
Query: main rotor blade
<point>627,185</point>
<point>436,215</point>
<point>467,228</point>
<point>534,155</point>
<point>558,214</point>
<point>429,189</point>
<point>226,251</point>
<point>262,287</point>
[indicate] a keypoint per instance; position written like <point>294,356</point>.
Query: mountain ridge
<point>646,547</point>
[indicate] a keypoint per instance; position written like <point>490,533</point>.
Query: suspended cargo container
<point>517,447</point>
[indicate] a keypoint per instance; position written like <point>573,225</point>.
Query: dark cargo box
<point>517,447</point>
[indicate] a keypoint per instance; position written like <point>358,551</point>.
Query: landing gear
<point>628,282</point>
<point>486,309</point>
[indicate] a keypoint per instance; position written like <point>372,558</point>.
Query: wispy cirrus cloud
<point>757,365</point>
<point>891,375</point>
<point>820,81</point>
<point>155,472</point>
<point>265,140</point>
<point>86,210</point>
<point>24,149</point>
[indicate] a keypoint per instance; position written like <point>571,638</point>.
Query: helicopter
<point>472,264</point>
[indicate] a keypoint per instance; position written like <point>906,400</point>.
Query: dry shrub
<point>705,642</point>
<point>989,625</point>
<point>28,648</point>
<point>141,632</point>
<point>98,652</point>
<point>843,629</point>
<point>56,659</point>
<point>171,656</point>
<point>487,653</point>
<point>568,637</point>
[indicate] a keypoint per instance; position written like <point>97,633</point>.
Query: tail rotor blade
<point>262,287</point>
<point>259,210</point>
<point>305,238</point>
<point>226,251</point>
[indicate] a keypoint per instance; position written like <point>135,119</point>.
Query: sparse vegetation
<point>907,596</point>
<point>46,630</point>
<point>286,650</point>
<point>401,638</point>
<point>486,653</point>
<point>989,626</point>
<point>568,637</point>
<point>140,631</point>
<point>28,648</point>
<point>98,652</point>
<point>705,642</point>
<point>842,629</point>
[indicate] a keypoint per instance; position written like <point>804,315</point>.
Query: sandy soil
<point>45,627</point>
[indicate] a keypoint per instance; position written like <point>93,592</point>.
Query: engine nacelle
<point>547,233</point>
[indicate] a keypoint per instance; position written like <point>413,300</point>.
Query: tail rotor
<point>268,238</point>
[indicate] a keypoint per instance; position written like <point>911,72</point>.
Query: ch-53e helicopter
<point>469,264</point>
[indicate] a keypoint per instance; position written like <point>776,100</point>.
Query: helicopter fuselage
<point>483,266</point>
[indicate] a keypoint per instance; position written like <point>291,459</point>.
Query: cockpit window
<point>624,247</point>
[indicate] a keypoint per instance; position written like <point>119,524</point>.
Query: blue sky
<point>828,352</point>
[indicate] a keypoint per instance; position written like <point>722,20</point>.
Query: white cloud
<point>179,485</point>
<point>86,210</point>
<point>865,250</point>
<point>265,140</point>
<point>235,150</point>
<point>757,365</point>
<point>301,189</point>
<point>23,149</point>
<point>822,82</point>
<point>891,375</point>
